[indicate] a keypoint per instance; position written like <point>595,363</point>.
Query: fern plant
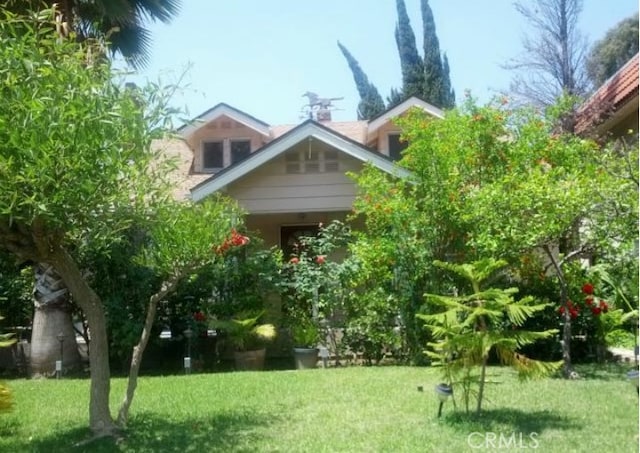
<point>469,327</point>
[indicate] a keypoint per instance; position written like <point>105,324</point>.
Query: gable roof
<point>376,122</point>
<point>223,109</point>
<point>308,129</point>
<point>612,99</point>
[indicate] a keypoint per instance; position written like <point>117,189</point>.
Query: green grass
<point>335,410</point>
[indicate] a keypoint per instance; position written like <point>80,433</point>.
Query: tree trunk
<point>52,317</point>
<point>100,420</point>
<point>567,367</point>
<point>138,350</point>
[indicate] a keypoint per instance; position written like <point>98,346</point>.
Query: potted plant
<point>305,335</point>
<point>248,337</point>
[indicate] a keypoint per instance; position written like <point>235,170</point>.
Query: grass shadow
<point>610,371</point>
<point>511,420</point>
<point>148,432</point>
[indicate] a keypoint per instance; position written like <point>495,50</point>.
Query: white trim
<point>400,109</point>
<point>228,111</point>
<point>287,141</point>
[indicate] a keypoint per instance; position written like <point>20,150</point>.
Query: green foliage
<point>6,397</point>
<point>427,78</point>
<point>610,53</point>
<point>245,332</point>
<point>467,328</point>
<point>437,85</point>
<point>16,286</point>
<point>371,103</point>
<point>410,61</point>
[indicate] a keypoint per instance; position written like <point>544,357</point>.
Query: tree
<point>552,61</point>
<point>610,53</point>
<point>123,21</point>
<point>427,78</point>
<point>455,206</point>
<point>411,65</point>
<point>80,169</point>
<point>468,327</point>
<point>437,86</point>
<point>371,103</point>
<point>181,240</point>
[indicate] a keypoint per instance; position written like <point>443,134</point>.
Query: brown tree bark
<point>100,420</point>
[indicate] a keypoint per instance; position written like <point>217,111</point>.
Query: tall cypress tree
<point>410,62</point>
<point>433,88</point>
<point>371,103</point>
<point>448,93</point>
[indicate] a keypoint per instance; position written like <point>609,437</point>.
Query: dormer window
<point>396,146</point>
<point>212,155</point>
<point>240,150</point>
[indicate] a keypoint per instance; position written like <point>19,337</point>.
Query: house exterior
<point>612,111</point>
<point>288,178</point>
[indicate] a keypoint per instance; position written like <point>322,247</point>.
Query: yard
<point>353,409</point>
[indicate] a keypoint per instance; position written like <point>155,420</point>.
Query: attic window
<point>314,161</point>
<point>212,155</point>
<point>396,146</point>
<point>240,150</point>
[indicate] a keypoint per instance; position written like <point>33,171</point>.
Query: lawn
<point>355,409</point>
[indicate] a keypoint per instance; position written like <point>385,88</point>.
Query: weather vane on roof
<point>318,108</point>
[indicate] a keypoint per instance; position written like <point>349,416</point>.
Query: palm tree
<point>121,21</point>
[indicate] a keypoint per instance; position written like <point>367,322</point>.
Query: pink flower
<point>320,259</point>
<point>294,260</point>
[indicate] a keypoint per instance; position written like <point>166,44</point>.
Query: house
<point>288,178</point>
<point>612,111</point>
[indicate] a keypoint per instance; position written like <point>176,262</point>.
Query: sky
<point>261,56</point>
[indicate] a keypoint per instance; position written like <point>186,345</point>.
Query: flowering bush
<point>591,303</point>
<point>311,283</point>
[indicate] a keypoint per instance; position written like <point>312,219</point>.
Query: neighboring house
<point>288,178</point>
<point>612,111</point>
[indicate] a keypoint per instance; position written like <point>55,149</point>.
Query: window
<point>212,155</point>
<point>331,161</point>
<point>396,146</point>
<point>240,150</point>
<point>292,162</point>
<point>312,162</point>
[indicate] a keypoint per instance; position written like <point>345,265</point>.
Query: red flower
<point>573,312</point>
<point>320,259</point>
<point>588,300</point>
<point>595,310</point>
<point>604,306</point>
<point>294,260</point>
<point>587,288</point>
<point>561,310</point>
<point>199,316</point>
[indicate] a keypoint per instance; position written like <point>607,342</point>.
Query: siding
<point>269,189</point>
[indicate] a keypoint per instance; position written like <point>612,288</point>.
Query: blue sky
<point>260,56</point>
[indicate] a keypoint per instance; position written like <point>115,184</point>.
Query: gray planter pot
<point>305,358</point>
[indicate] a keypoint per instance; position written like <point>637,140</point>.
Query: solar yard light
<point>187,360</point>
<point>60,338</point>
<point>443,392</point>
